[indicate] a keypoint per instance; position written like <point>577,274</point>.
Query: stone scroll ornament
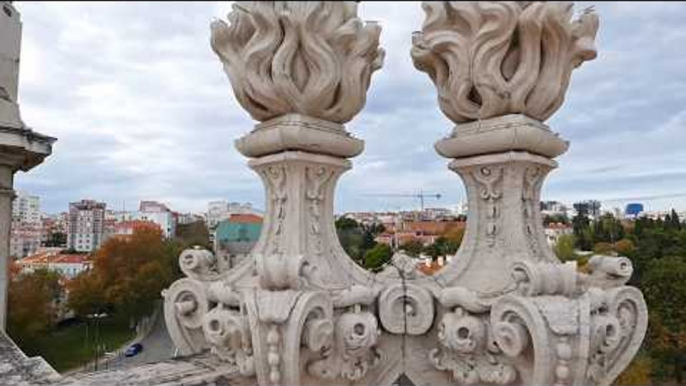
<point>298,311</point>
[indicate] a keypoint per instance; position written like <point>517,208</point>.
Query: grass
<point>73,345</point>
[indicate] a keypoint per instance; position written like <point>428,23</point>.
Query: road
<point>157,346</point>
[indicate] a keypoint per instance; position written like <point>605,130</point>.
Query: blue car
<point>133,350</point>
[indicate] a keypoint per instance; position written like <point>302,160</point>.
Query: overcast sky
<point>142,110</point>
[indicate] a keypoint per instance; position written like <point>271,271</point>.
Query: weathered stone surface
<point>20,147</point>
<point>513,132</point>
<point>505,311</point>
<point>16,369</point>
<point>502,57</point>
<point>299,311</point>
<point>312,58</point>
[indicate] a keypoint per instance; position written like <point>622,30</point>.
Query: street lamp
<point>96,335</point>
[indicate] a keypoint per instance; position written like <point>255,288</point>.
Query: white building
<point>86,225</point>
<point>159,214</point>
<point>26,208</point>
<point>189,218</point>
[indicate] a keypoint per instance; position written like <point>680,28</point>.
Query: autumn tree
<point>32,304</point>
<point>86,295</point>
<point>128,275</point>
<point>413,247</point>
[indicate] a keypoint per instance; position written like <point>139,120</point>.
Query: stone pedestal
<point>20,148</point>
<point>503,189</point>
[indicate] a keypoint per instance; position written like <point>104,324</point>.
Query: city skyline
<point>142,110</point>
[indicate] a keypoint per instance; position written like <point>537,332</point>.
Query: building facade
<point>25,239</point>
<point>235,237</point>
<point>218,211</point>
<point>26,208</point>
<point>159,214</point>
<point>86,231</point>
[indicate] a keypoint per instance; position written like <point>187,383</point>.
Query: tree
<point>86,295</point>
<point>129,274</point>
<point>32,305</point>
<point>376,257</point>
<point>350,235</point>
<point>603,248</point>
<point>564,248</point>
<point>664,279</point>
<point>413,247</point>
<point>625,247</point>
<point>582,232</point>
<point>195,233</point>
<point>638,373</point>
<point>455,235</point>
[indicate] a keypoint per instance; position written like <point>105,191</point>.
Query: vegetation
<point>358,240</point>
<point>657,249</point>
<point>125,282</point>
<point>195,233</point>
<point>32,305</point>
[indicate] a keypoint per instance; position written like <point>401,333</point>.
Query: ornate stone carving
<point>505,311</point>
<point>489,59</point>
<point>313,58</point>
<point>406,309</point>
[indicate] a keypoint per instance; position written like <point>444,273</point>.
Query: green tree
<point>582,232</point>
<point>376,257</point>
<point>564,248</point>
<point>665,278</point>
<point>351,237</point>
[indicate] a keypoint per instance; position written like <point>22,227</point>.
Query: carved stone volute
<point>504,311</point>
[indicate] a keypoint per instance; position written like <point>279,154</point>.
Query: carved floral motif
<point>489,180</point>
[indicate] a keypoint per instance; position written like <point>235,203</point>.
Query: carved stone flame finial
<point>489,59</point>
<point>310,58</point>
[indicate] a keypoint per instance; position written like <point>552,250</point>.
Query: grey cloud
<point>143,110</point>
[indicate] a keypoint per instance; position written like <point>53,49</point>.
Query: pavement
<point>157,346</point>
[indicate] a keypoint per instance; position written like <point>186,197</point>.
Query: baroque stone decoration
<point>299,311</point>
<point>493,58</point>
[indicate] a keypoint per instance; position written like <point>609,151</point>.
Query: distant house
<point>235,237</point>
<point>51,259</point>
<point>554,230</point>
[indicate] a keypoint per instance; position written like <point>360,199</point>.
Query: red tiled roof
<point>245,218</point>
<point>54,258</point>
